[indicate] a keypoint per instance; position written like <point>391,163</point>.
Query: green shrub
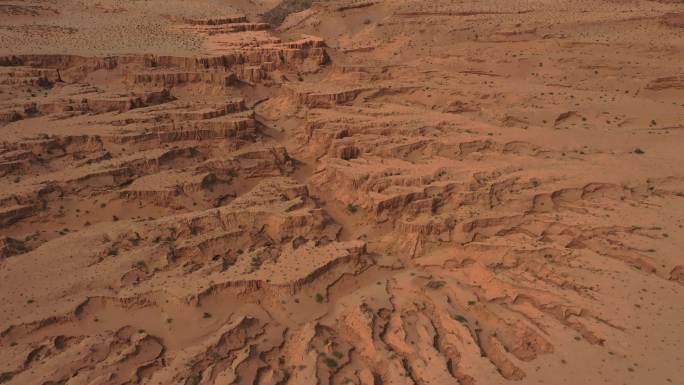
<point>330,362</point>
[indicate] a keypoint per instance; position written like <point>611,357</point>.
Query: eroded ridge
<point>345,198</point>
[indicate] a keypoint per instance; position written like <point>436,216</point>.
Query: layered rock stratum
<point>341,192</point>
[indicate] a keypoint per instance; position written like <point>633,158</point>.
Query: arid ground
<point>376,192</point>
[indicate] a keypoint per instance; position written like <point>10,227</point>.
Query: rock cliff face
<point>366,192</point>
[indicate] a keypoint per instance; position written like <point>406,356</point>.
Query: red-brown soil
<point>370,192</point>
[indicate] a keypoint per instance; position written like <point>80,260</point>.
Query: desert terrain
<point>370,192</point>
